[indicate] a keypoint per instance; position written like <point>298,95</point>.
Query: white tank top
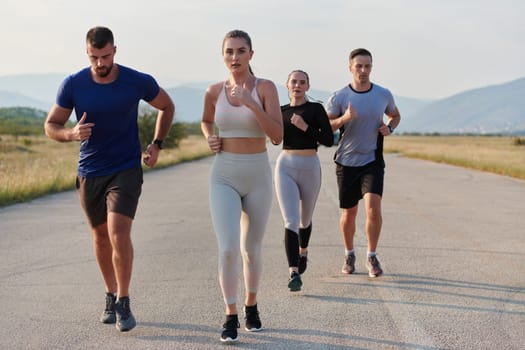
<point>237,121</point>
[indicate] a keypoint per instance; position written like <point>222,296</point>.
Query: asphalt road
<point>452,248</point>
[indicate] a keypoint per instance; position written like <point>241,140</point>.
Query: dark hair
<point>359,52</point>
<point>99,37</point>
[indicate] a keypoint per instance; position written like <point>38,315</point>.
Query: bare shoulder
<point>214,89</point>
<point>210,99</point>
<point>265,86</point>
<point>265,83</point>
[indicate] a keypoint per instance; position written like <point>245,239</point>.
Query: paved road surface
<point>452,247</point>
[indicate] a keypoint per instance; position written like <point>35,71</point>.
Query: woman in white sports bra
<point>246,111</point>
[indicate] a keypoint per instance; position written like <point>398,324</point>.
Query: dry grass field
<point>500,155</point>
<point>34,166</point>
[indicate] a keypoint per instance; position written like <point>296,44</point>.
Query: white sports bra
<point>237,121</point>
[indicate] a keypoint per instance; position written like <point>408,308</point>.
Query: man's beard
<point>103,71</point>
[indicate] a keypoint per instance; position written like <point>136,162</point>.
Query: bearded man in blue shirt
<point>105,97</point>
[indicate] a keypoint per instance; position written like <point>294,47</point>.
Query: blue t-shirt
<point>114,144</point>
<point>359,141</point>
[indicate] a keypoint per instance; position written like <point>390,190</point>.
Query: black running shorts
<point>354,182</point>
<point>117,193</point>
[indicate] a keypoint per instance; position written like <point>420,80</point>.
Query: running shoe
<point>374,267</point>
<point>349,264</point>
<point>229,329</point>
<point>295,282</point>
<point>253,322</point>
<point>108,315</point>
<point>125,319</point>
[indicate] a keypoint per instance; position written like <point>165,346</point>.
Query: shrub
<point>147,121</point>
<point>518,141</point>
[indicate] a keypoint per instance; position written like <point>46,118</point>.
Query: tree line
<point>26,121</point>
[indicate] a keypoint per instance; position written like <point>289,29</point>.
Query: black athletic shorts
<point>354,182</point>
<point>117,193</point>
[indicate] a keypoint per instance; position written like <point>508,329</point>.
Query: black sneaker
<point>303,259</point>
<point>253,322</point>
<point>374,267</point>
<point>108,315</point>
<point>295,283</point>
<point>349,264</point>
<point>229,332</point>
<point>125,319</point>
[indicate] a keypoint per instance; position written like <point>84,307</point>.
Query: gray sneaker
<point>374,267</point>
<point>108,315</point>
<point>349,264</point>
<point>125,319</point>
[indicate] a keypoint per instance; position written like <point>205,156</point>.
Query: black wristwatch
<point>158,142</point>
<point>390,128</point>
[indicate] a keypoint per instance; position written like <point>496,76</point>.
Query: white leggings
<point>240,201</point>
<point>297,185</point>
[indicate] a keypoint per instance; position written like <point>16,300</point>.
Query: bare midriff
<point>244,145</point>
<point>301,152</point>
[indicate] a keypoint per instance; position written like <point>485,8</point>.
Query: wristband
<point>158,142</point>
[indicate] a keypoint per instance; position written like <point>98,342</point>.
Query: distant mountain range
<point>495,109</point>
<point>492,109</point>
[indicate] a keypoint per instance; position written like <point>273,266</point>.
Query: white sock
<point>371,254</point>
<point>348,252</point>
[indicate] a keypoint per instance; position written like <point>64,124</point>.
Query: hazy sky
<point>421,48</point>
